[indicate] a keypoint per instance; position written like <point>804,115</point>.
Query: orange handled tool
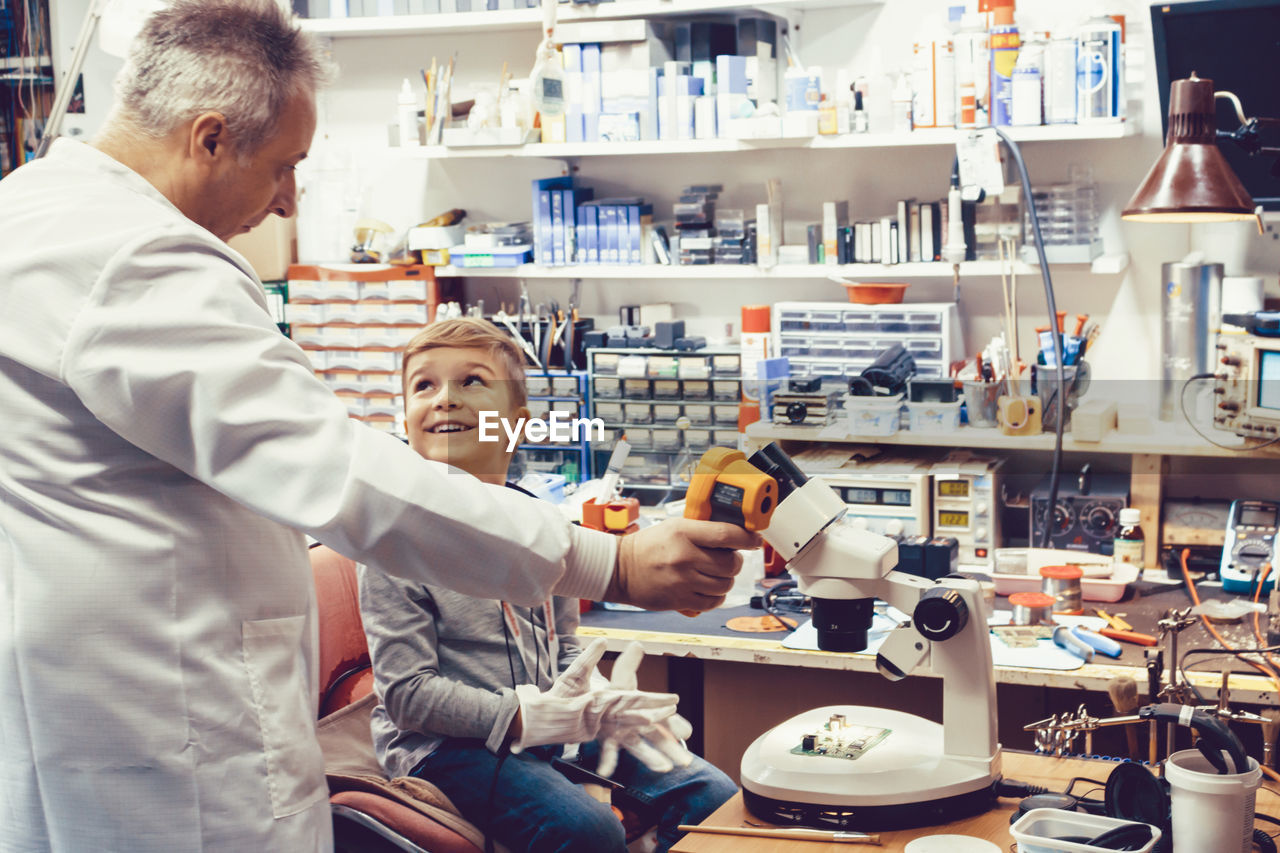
<point>1128,636</point>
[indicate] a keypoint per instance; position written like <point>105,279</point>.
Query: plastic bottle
<point>1060,80</point>
<point>973,71</point>
<point>860,119</point>
<point>932,82</point>
<point>902,104</point>
<point>1130,540</point>
<point>407,116</point>
<point>1027,85</point>
<point>1099,71</point>
<point>1004,43</point>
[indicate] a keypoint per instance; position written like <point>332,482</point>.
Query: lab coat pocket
<point>274,660</point>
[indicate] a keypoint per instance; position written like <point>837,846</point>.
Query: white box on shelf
<point>933,416</point>
<point>436,237</point>
<point>873,416</point>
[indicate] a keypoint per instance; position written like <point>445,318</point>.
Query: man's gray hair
<point>242,58</point>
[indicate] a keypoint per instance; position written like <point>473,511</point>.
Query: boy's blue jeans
<point>536,809</point>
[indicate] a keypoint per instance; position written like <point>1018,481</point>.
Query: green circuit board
<point>839,738</point>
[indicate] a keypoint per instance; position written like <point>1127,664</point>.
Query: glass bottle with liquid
<point>1130,540</point>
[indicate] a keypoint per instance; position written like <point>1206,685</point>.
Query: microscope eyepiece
<point>773,460</point>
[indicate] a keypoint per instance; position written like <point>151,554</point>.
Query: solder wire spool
<point>1031,608</point>
<point>1063,583</point>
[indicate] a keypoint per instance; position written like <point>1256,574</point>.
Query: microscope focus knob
<point>940,614</point>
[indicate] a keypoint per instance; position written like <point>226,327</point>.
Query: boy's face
<point>446,389</point>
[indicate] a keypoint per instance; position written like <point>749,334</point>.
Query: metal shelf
<point>1105,265</point>
<point>531,19</point>
<point>917,138</point>
<point>1156,444</point>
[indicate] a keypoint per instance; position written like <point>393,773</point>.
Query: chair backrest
<point>345,670</point>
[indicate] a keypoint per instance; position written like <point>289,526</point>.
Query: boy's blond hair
<point>473,333</point>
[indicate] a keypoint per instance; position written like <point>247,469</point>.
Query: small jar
<point>1031,608</point>
<point>1063,583</point>
<point>1130,540</point>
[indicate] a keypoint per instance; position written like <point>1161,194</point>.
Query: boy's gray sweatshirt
<point>443,668</point>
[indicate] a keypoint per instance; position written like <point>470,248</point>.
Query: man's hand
<point>679,564</point>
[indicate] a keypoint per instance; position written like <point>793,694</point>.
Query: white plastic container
<point>873,416</point>
<point>1210,812</point>
<point>407,116</point>
<point>933,417</point>
<point>1040,831</point>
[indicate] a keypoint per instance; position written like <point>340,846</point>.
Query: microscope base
<point>902,781</point>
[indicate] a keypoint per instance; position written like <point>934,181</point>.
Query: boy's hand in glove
<point>657,745</point>
<point>573,711</point>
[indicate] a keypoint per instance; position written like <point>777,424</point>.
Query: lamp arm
<point>1235,102</point>
<point>53,124</point>
<point>1053,329</point>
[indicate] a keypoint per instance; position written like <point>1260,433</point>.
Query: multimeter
<point>1250,543</point>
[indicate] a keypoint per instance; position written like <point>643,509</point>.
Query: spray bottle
<point>407,116</point>
<point>1099,71</point>
<point>1004,55</point>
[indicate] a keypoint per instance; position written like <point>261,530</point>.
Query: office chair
<point>365,819</point>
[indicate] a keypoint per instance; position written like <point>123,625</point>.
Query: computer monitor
<point>1235,43</point>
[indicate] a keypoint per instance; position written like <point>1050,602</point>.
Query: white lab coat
<point>162,450</point>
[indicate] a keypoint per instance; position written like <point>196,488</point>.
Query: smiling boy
<point>453,673</point>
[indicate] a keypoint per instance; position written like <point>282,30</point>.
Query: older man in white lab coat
<point>164,449</point>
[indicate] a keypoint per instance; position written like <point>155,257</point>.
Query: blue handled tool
<point>1063,637</point>
<point>1104,645</point>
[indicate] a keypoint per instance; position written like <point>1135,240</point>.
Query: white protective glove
<point>573,710</point>
<point>658,745</point>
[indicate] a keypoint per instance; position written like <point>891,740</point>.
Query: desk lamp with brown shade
<point>1192,182</point>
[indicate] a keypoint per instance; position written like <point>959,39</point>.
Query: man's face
<point>446,388</point>
<point>242,191</point>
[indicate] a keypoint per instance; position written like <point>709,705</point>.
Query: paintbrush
<point>1124,696</point>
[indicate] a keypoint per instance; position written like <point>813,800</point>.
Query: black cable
<point>1268,818</point>
<point>505,749</point>
<point>503,752</point>
<point>1263,842</point>
<point>1236,653</point>
<point>1182,404</point>
<point>1054,333</point>
<point>767,600</point>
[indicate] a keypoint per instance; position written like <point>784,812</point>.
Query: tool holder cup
<point>1211,811</point>
<point>980,402</point>
<point>1019,414</point>
<point>1044,384</point>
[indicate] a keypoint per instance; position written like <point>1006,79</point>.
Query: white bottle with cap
<point>407,116</point>
<point>1128,545</point>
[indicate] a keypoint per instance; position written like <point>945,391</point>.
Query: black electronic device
<point>813,409</point>
<point>885,376</point>
<point>1229,42</point>
<point>1250,543</point>
<point>889,373</point>
<point>1086,513</point>
<point>932,390</point>
<point>667,332</point>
